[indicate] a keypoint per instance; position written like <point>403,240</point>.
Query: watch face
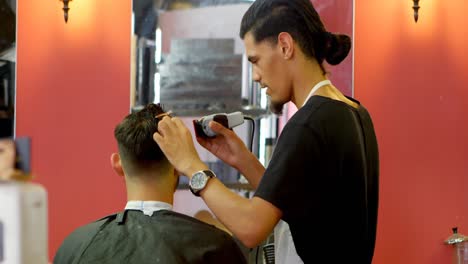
<point>198,181</point>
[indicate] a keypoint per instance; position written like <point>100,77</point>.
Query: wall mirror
<point>187,55</point>
<point>7,66</point>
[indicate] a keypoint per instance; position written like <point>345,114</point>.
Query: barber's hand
<point>175,141</point>
<point>227,146</point>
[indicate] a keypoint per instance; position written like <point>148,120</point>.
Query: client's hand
<point>175,141</point>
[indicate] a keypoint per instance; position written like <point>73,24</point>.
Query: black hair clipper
<point>231,120</point>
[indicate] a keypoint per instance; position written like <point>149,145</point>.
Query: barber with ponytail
<point>322,179</point>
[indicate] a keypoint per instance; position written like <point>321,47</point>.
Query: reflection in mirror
<point>7,158</point>
<point>7,66</point>
<point>15,159</point>
<point>188,56</point>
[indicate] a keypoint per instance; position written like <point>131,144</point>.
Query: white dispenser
<point>23,223</point>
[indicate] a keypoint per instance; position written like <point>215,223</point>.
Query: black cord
<point>256,255</point>
<point>252,134</point>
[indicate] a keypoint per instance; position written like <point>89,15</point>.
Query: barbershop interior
<point>71,70</point>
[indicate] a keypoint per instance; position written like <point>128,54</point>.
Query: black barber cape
<point>135,238</point>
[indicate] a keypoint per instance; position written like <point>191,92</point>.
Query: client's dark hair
<point>134,137</point>
<point>265,19</point>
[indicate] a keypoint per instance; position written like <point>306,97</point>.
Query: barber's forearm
<point>249,166</point>
<point>236,213</point>
<point>252,169</point>
<point>247,219</point>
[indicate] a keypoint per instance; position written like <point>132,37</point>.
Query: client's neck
<point>142,188</point>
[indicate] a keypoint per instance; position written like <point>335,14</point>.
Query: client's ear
<point>117,164</point>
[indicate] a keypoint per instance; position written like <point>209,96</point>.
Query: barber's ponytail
<point>337,48</point>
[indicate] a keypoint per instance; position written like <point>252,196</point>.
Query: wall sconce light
<point>65,9</point>
<point>416,10</point>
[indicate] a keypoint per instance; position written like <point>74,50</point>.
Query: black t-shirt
<point>323,176</point>
<point>132,237</point>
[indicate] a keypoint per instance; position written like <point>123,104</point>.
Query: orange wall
<point>73,87</point>
<point>412,77</point>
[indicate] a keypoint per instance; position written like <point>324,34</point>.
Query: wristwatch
<point>199,180</point>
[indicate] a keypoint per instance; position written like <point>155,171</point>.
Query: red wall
<point>337,15</point>
<point>73,87</point>
<point>412,77</point>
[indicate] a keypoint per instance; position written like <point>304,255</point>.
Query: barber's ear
<point>117,164</point>
<point>286,44</point>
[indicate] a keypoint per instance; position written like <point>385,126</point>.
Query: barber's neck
<point>307,74</point>
<point>146,188</point>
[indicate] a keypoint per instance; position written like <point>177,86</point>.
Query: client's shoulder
<point>77,239</point>
<point>186,220</point>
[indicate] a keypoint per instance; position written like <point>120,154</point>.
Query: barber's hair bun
<point>337,48</point>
